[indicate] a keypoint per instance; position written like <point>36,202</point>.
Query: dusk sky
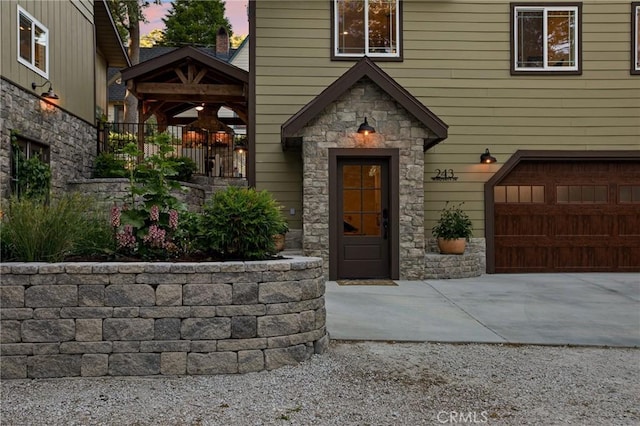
<point>235,10</point>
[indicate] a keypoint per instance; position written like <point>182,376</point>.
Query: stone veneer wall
<point>336,127</point>
<point>110,190</point>
<point>71,140</point>
<point>444,266</point>
<point>144,319</point>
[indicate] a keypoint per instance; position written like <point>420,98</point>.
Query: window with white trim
<point>635,38</point>
<point>33,43</point>
<point>546,38</point>
<point>366,28</point>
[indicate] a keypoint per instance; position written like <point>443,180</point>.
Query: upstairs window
<point>546,39</point>
<point>635,38</point>
<point>366,28</point>
<point>33,43</point>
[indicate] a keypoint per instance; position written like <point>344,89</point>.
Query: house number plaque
<point>444,174</point>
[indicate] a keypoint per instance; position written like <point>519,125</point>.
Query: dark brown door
<point>363,210</point>
<point>568,217</point>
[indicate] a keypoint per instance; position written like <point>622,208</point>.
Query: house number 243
<point>444,174</point>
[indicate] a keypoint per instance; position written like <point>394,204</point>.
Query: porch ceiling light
<point>487,158</point>
<point>49,94</point>
<point>200,107</point>
<point>365,128</point>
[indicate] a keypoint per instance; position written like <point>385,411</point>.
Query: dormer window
<point>366,28</point>
<point>33,43</point>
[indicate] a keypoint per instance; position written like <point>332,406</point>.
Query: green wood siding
<point>456,61</point>
<point>71,51</point>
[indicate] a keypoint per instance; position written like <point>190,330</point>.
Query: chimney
<point>222,42</point>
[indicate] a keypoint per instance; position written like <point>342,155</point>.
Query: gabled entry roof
<point>365,67</point>
<point>178,80</point>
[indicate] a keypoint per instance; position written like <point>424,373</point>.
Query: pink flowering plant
<point>147,223</point>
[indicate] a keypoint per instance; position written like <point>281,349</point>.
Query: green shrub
<point>106,165</point>
<point>239,223</point>
<point>32,231</point>
<point>32,175</point>
<point>145,226</point>
<point>453,223</point>
<point>184,167</point>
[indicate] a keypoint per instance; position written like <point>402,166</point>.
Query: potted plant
<point>453,229</point>
<point>279,238</point>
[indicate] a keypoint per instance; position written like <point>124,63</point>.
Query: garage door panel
<point>628,259</point>
<point>583,258</point>
<point>583,224</point>
<point>522,225</point>
<point>529,259</point>
<point>588,218</point>
<point>629,225</point>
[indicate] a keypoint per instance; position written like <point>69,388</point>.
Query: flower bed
<point>144,319</point>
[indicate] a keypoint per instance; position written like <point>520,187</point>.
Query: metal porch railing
<point>217,154</point>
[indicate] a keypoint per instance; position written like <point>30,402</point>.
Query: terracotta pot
<point>456,246</point>
<point>279,240</point>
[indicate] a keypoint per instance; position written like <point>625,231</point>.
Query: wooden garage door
<point>566,216</point>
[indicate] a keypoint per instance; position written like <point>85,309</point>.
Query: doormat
<point>366,282</point>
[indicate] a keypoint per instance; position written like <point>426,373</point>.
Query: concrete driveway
<point>599,309</point>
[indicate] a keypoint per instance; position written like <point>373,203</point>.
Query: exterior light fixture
<point>240,147</point>
<point>49,94</point>
<point>200,107</point>
<point>487,158</point>
<point>365,128</point>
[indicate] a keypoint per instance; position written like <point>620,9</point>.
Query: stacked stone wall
<point>109,190</point>
<point>444,266</point>
<point>71,140</point>
<point>145,319</point>
<point>335,127</point>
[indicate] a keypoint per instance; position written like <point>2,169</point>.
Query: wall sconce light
<point>200,107</point>
<point>487,158</point>
<point>49,94</point>
<point>365,128</point>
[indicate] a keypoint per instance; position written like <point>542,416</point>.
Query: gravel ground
<point>361,383</point>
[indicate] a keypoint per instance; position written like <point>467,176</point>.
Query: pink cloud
<point>236,11</point>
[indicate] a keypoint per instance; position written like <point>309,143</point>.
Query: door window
<point>362,199</point>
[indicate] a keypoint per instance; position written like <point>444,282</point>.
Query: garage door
<point>568,216</point>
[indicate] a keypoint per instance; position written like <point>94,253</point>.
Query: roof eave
<point>107,37</point>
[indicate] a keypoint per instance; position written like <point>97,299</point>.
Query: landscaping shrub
<point>145,225</point>
<point>33,231</point>
<point>107,165</point>
<point>184,167</point>
<point>239,223</point>
<point>32,175</point>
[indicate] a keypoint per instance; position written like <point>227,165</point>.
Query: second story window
<point>366,28</point>
<point>33,43</point>
<point>545,39</point>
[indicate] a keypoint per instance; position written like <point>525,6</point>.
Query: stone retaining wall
<point>445,266</point>
<point>144,319</point>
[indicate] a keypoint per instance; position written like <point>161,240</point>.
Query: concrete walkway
<point>555,309</point>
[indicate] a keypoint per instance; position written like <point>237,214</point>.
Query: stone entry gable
<point>335,127</point>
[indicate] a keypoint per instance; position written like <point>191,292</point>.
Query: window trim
<point>635,38</point>
<point>34,23</point>
<point>545,6</point>
<point>378,57</point>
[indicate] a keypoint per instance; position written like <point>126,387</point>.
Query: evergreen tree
<point>194,23</point>
<point>127,15</point>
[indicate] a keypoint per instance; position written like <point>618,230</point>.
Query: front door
<point>363,233</point>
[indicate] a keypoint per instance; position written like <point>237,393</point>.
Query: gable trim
<point>180,55</point>
<point>365,67</point>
